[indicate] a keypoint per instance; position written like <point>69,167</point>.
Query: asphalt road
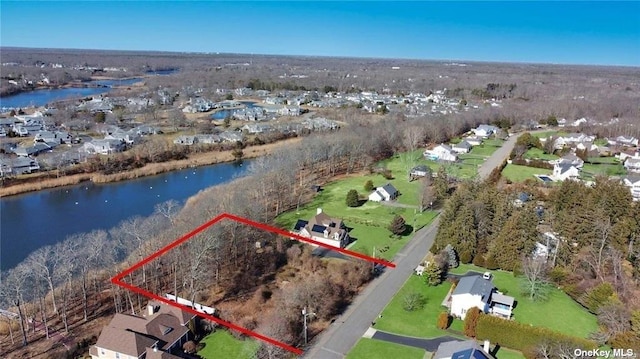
<point>344,333</point>
<point>497,157</point>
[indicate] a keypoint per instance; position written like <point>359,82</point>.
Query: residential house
<point>103,147</point>
<point>572,139</point>
<point>384,193</point>
<point>462,147</point>
<point>474,140</point>
<point>571,159</point>
<point>231,136</point>
<point>485,131</point>
<point>324,229</point>
<point>468,349</point>
<point>34,150</point>
<point>441,152</point>
<point>633,183</point>
<point>254,128</point>
<point>160,333</point>
<point>632,164</point>
<point>290,111</point>
<point>207,139</point>
<point>5,167</point>
<point>623,155</point>
<point>419,171</point>
<point>564,171</point>
<point>628,141</point>
<point>58,137</point>
<point>23,165</point>
<point>185,140</point>
<point>479,291</point>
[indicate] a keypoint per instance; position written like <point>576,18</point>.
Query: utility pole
<point>305,314</point>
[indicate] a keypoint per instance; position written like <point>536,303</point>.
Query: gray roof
<point>390,189</point>
<point>463,144</point>
<point>564,167</point>
<point>475,285</point>
<point>468,349</point>
<point>503,299</point>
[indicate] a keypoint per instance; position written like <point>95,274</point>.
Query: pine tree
<point>517,238</point>
<point>432,274</point>
<point>452,257</point>
<point>397,225</point>
<point>352,198</point>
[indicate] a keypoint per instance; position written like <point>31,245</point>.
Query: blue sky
<point>606,33</point>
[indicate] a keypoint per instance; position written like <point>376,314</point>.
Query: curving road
<point>337,340</point>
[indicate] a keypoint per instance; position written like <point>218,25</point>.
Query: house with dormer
<point>479,291</point>
<point>563,171</point>
<point>158,334</point>
<point>324,229</point>
<point>441,152</point>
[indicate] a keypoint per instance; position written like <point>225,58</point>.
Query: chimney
<point>486,346</point>
<point>150,309</point>
<point>318,211</point>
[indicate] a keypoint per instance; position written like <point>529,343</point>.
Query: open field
<point>560,312</point>
<point>603,160</point>
<point>604,169</point>
<point>517,173</point>
<point>221,344</point>
<point>418,323</point>
<point>377,349</point>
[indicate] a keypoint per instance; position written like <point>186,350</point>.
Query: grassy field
<point>368,221</point>
<point>221,344</point>
<point>377,349</point>
<point>517,173</point>
<point>605,160</point>
<point>487,148</point>
<point>604,169</point>
<point>418,323</point>
<point>538,154</point>
<point>560,312</point>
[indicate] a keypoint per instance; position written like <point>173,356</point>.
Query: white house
<point>570,159</point>
<point>474,140</point>
<point>103,147</point>
<point>564,171</point>
<point>632,164</point>
<point>633,183</point>
<point>441,152</point>
<point>324,229</point>
<point>419,171</point>
<point>384,193</point>
<point>479,291</point>
<point>627,141</point>
<point>485,130</point>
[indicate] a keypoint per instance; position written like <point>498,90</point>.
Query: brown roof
<point>322,219</point>
<point>133,335</point>
<point>159,354</point>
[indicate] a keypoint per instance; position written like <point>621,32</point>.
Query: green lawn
<point>517,173</point>
<point>504,353</point>
<point>370,220</point>
<point>604,169</point>
<point>377,349</point>
<point>418,323</point>
<point>538,154</point>
<point>221,344</point>
<point>560,312</point>
<point>487,148</point>
<point>605,160</point>
<point>493,142</point>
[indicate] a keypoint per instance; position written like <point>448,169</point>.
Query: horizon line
<point>215,53</point>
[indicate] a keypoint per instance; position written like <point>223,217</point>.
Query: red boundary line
<point>118,278</point>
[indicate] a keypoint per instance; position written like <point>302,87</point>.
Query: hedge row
<point>514,335</point>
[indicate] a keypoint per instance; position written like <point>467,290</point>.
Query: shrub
<point>465,257</point>
<point>352,198</point>
<point>597,296</point>
<point>444,320</point>
<point>471,322</point>
<point>558,275</point>
<point>368,186</point>
<point>519,336</point>
<point>478,260</point>
<point>413,301</point>
<point>490,263</point>
<point>397,225</point>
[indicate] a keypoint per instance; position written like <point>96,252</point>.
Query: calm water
<point>222,114</point>
<point>33,220</point>
<point>43,97</point>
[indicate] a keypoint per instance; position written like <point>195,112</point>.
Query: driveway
<point>430,345</point>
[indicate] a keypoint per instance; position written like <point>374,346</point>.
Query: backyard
<point>559,312</point>
<point>221,344</point>
<point>518,173</point>
<point>538,154</point>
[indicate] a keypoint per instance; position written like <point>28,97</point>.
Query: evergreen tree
<point>452,257</point>
<point>517,238</point>
<point>432,274</point>
<point>352,198</point>
<point>441,184</point>
<point>368,186</point>
<point>397,225</point>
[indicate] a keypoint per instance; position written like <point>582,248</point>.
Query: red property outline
<point>117,279</point>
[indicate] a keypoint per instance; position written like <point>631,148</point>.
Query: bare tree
<point>426,193</point>
<point>535,282</point>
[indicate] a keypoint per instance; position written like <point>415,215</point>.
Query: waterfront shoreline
<point>151,169</point>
